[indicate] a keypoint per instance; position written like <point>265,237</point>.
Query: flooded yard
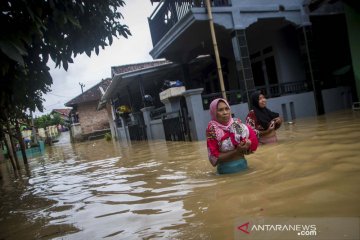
<point>159,189</point>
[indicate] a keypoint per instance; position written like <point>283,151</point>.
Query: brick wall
<point>90,119</point>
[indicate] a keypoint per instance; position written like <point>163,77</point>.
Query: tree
<point>33,31</point>
<point>48,120</point>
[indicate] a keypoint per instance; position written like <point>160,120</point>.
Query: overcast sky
<point>90,71</point>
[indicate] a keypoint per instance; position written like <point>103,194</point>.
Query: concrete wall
<point>336,99</point>
<point>76,132</point>
<point>293,106</point>
<point>112,124</point>
<point>289,65</point>
<point>90,119</point>
<point>241,14</point>
<point>157,129</point>
<point>195,111</point>
<point>239,111</point>
<point>353,24</point>
<point>123,134</point>
<point>290,107</point>
<point>265,3</point>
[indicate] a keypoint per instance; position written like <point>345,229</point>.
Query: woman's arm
<point>268,130</point>
<point>251,121</point>
<point>278,122</point>
<point>235,154</point>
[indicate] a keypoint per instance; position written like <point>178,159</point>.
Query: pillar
<point>147,120</point>
<point>196,121</point>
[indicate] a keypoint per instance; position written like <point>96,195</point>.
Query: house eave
<point>172,35</point>
<point>119,77</point>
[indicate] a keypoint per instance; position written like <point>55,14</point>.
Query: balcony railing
<point>169,12</point>
<point>274,90</point>
<point>233,97</point>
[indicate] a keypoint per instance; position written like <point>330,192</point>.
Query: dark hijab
<point>263,115</point>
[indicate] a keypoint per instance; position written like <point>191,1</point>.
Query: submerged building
<point>301,53</point>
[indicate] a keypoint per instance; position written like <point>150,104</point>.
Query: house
<point>131,84</point>
<point>63,113</point>
<point>297,52</point>
<point>127,90</point>
<point>86,122</point>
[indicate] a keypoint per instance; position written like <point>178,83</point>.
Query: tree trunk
<point>5,139</point>
<point>10,152</point>
<point>21,142</point>
<point>12,145</point>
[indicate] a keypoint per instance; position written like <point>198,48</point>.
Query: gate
<point>136,127</point>
<point>173,127</point>
<point>176,127</point>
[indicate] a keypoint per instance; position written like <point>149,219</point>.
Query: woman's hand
<point>272,125</point>
<point>235,154</point>
<point>244,148</point>
<point>277,122</point>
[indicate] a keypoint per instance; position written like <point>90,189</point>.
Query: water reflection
<point>169,190</point>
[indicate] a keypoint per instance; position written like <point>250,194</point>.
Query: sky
<point>91,70</point>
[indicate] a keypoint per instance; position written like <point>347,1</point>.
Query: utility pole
<point>82,86</point>
<point>216,51</point>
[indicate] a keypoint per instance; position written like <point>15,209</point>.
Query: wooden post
<point>216,51</point>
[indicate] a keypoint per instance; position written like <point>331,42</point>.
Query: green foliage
<point>107,136</point>
<point>34,31</point>
<point>48,120</point>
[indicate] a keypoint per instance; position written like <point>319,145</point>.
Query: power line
<point>58,102</point>
<point>58,95</point>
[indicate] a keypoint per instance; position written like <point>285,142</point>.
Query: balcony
<point>169,12</point>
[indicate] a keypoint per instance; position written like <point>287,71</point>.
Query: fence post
<point>196,113</point>
<point>147,120</point>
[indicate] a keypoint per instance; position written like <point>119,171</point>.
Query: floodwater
<point>163,190</point>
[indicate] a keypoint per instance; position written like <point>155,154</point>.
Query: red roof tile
<point>64,111</point>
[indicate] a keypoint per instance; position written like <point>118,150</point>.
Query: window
<point>271,70</point>
<point>264,68</point>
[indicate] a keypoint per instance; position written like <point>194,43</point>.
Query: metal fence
<point>273,90</point>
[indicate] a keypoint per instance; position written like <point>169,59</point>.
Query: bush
<point>107,136</point>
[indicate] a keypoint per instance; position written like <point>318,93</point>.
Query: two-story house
<point>300,53</point>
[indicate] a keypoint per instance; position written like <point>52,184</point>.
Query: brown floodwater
<point>158,189</point>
